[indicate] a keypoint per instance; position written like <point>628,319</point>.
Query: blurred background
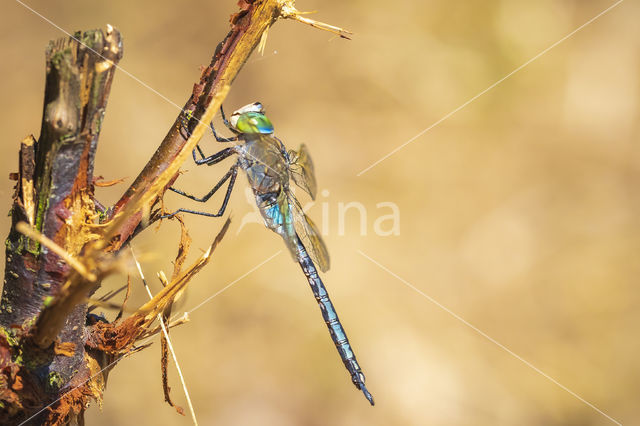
<point>518,214</point>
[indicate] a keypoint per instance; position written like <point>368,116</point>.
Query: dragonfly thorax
<point>266,167</point>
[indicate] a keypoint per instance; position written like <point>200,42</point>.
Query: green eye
<point>254,122</point>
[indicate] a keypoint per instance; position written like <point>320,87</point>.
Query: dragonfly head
<point>251,119</point>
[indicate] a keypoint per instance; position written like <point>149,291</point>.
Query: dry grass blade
<point>288,11</point>
<point>168,294</point>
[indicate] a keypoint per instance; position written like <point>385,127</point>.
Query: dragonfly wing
<point>302,171</point>
<point>264,156</point>
<point>278,217</point>
<point>309,235</point>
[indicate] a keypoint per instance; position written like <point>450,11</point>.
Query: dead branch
<point>54,358</point>
<point>54,194</point>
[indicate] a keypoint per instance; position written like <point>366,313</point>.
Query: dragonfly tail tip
<point>358,380</point>
<point>367,394</point>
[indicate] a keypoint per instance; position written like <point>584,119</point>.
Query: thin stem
<point>166,336</point>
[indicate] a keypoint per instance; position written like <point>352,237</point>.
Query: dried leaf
<point>98,181</point>
<point>164,364</point>
<point>181,257</point>
<point>183,248</point>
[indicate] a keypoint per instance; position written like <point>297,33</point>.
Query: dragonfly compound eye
<point>253,122</point>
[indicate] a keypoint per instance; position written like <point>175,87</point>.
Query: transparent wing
<point>302,171</point>
<point>279,218</point>
<point>309,235</point>
<point>265,150</point>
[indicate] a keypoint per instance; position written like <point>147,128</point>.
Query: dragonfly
<point>270,168</point>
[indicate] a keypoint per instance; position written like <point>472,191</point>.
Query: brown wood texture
<point>54,194</point>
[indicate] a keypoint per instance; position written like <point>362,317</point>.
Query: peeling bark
<point>54,194</point>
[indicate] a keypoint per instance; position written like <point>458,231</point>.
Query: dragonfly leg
<point>225,121</point>
<point>212,159</point>
<point>220,138</point>
<point>230,175</point>
<point>202,156</point>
